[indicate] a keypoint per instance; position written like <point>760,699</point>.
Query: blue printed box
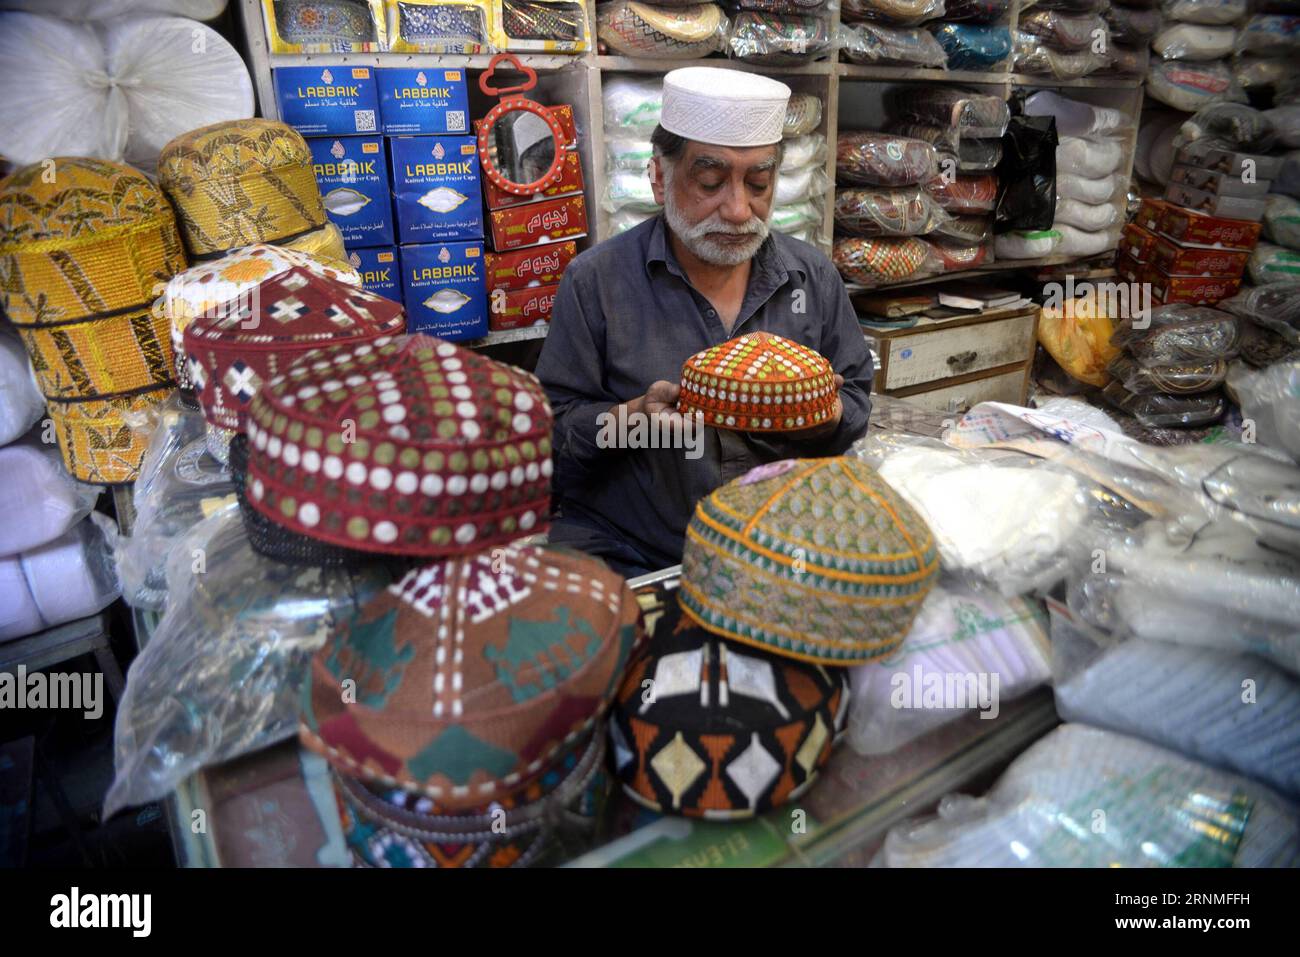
<point>381,273</point>
<point>353,180</point>
<point>423,101</point>
<point>436,188</point>
<point>329,100</point>
<point>444,286</point>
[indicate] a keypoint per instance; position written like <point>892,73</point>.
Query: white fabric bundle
<point>1082,242</point>
<point>21,404</point>
<point>1270,398</point>
<point>1074,118</point>
<point>40,500</point>
<point>632,104</point>
<point>629,189</point>
<point>1092,158</point>
<point>800,185</point>
<point>628,152</point>
<point>68,578</point>
<point>801,151</point>
<point>1190,41</point>
<point>1269,263</point>
<point>1204,11</point>
<point>1087,189</point>
<point>1190,86</point>
<point>1026,245</point>
<point>1158,810</point>
<point>1087,216</point>
<point>795,218</point>
<point>963,636</point>
<point>1285,120</point>
<point>118,93</point>
<point>107,9</point>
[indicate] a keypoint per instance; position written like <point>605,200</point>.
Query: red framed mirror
<point>520,142</point>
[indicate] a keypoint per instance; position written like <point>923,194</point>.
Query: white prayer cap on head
<point>724,107</point>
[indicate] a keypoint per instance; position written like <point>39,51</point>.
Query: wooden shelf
<point>854,71</point>
<point>625,64</point>
<point>1094,82</point>
<point>446,61</point>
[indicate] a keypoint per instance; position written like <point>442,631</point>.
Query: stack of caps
<point>204,287</point>
<point>85,243</point>
<point>233,347</point>
<point>813,564</point>
<point>673,31</point>
<point>244,182</point>
<point>474,736</point>
<point>759,383</point>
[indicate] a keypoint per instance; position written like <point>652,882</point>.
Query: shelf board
<point>1104,82</point>
<point>854,71</point>
<point>508,335</point>
<point>1005,265</point>
<point>447,61</point>
<point>628,64</point>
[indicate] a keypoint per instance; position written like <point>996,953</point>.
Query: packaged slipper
<point>973,46</point>
<point>965,195</point>
<point>677,33</point>
<point>778,39</point>
<point>881,159</point>
<point>874,262</point>
<point>906,211</point>
<point>900,13</point>
<point>878,43</point>
<point>1063,31</point>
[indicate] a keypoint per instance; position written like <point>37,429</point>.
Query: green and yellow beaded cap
<point>814,559</point>
<point>413,446</point>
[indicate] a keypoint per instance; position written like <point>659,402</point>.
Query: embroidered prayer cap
<point>470,677</point>
<point>724,107</point>
<point>326,244</point>
<point>235,346</point>
<point>97,444</point>
<point>816,559</point>
<point>342,442</point>
<point>727,731</point>
<point>241,182</point>
<point>759,383</point>
<point>553,817</point>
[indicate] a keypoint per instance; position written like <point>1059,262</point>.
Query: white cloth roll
<point>68,578</point>
<point>40,500</point>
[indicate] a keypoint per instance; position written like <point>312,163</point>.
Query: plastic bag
<point>222,674</point>
<point>1190,86</point>
<point>1162,810</point>
<point>1027,174</point>
<point>61,580</point>
<point>880,159</point>
<point>793,219</point>
<point>1270,398</point>
<point>1285,121</point>
<point>1269,34</point>
<point>958,256</point>
<point>637,29</point>
<point>906,211</point>
<point>972,46</point>
<point>803,114</point>
<point>632,105</point>
<point>960,631</point>
<point>21,403</point>
<point>1093,158</point>
<point>971,113</point>
<point>778,39</point>
<point>1275,307</point>
<point>41,500</point>
<point>1269,264</point>
<point>974,502</point>
<point>546,26</point>
<point>627,153</point>
<point>978,155</point>
<point>1062,31</point>
<point>966,229</point>
<point>1282,221</point>
<point>1264,78</point>
<point>901,13</point>
<point>1077,335</point>
<point>1087,189</point>
<point>1035,56</point>
<point>965,195</point>
<point>1082,242</point>
<point>803,151</point>
<point>1074,118</point>
<point>1085,216</point>
<point>881,260</point>
<point>1180,333</point>
<point>1031,244</point>
<point>1234,125</point>
<point>975,11</point>
<point>873,43</point>
<point>628,189</point>
<point>944,139</point>
<point>1190,41</point>
<point>1187,378</point>
<point>1132,26</point>
<point>1157,411</point>
<point>811,182</point>
<point>1204,11</point>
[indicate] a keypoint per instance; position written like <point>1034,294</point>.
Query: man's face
<point>717,199</point>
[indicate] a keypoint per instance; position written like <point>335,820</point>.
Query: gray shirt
<point>626,316</point>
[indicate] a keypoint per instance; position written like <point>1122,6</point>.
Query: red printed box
<point>1150,213</point>
<point>537,266</point>
<point>536,223</point>
<point>1189,226</point>
<point>1176,259</point>
<point>1136,242</point>
<point>1194,290</point>
<point>1129,268</point>
<point>521,307</point>
<point>570,182</point>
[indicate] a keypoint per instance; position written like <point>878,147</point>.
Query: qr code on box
<point>365,120</point>
<point>455,121</point>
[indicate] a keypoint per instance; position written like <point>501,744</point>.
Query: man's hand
<point>660,397</point>
<point>825,428</point>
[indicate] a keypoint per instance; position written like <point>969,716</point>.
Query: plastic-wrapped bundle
<point>1061,31</point>
<point>971,113</point>
<point>965,195</point>
<point>803,114</point>
<point>1035,56</point>
<point>627,153</point>
<point>973,501</point>
<point>966,229</point>
<point>1242,127</point>
<point>961,632</point>
<point>805,7</point>
<point>973,46</point>
<point>1261,348</point>
<point>677,33</point>
<point>1269,264</point>
<point>632,105</point>
<point>1287,179</point>
<point>1085,216</point>
<point>1159,411</point>
<point>880,260</point>
<point>1190,41</point>
<point>1270,398</point>
<point>1285,120</point>
<point>944,139</point>
<point>803,151</point>
<point>1084,242</point>
<point>221,676</point>
<point>41,500</point>
<point>902,13</point>
<point>778,39</point>
<point>1186,378</point>
<point>796,218</point>
<point>1282,221</point>
<point>956,256</point>
<point>873,43</point>
<point>628,189</point>
<point>58,581</point>
<point>1127,59</point>
<point>1269,34</point>
<point>799,185</point>
<point>1087,189</point>
<point>1265,78</point>
<point>1027,244</point>
<point>627,218</point>
<point>975,11</point>
<point>1074,118</point>
<point>1162,810</point>
<point>978,155</point>
<point>880,159</point>
<point>1093,158</point>
<point>434,26</point>
<point>1204,11</point>
<point>1076,333</point>
<point>1132,26</point>
<point>1189,86</point>
<point>123,97</point>
<point>906,211</point>
<point>1180,333</point>
<point>21,403</point>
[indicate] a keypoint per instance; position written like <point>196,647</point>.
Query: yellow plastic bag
<point>1077,336</point>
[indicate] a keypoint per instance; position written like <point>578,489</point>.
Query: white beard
<point>696,237</point>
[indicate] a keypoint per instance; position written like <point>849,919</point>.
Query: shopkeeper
<point>630,311</point>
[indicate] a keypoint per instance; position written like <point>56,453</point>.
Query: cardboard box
<point>1225,207</point>
<point>329,100</point>
<point>1136,242</point>
<point>444,290</point>
<point>570,183</point>
<point>521,307</point>
<point>1129,268</point>
<point>1150,214</point>
<point>1177,259</point>
<point>1203,154</point>
<point>436,192</point>
<point>1220,184</point>
<point>536,223</point>
<point>423,101</point>
<point>380,270</point>
<point>353,179</point>
<point>1194,290</point>
<point>1189,226</point>
<point>536,266</point>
